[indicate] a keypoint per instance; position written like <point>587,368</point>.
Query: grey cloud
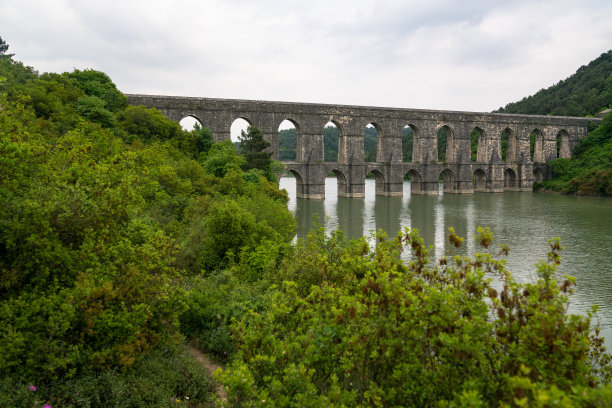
<point>446,54</point>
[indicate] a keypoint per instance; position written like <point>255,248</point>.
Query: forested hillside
<point>125,240</point>
<point>586,92</point>
<point>589,171</point>
<point>107,213</point>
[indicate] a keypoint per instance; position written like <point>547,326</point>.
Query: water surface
<point>522,220</point>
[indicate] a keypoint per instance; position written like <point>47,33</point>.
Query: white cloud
<point>438,54</point>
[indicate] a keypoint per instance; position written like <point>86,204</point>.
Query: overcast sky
<point>437,54</point>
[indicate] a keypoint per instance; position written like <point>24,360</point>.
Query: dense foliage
<point>589,172</point>
<point>352,325</point>
<point>287,144</point>
<point>586,92</point>
<point>123,236</point>
<point>254,148</point>
<point>4,48</point>
<point>107,212</point>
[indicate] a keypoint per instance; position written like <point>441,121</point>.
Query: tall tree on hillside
<point>4,48</point>
<point>253,147</point>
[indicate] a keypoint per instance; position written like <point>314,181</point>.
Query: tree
<point>221,158</point>
<point>4,48</point>
<point>149,125</point>
<point>253,147</point>
<point>96,83</point>
<point>204,138</point>
<point>92,108</point>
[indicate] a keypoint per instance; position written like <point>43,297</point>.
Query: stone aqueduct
<point>459,174</point>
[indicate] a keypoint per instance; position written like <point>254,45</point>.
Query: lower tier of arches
<point>425,178</point>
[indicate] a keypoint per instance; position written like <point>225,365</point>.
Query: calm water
<point>522,220</point>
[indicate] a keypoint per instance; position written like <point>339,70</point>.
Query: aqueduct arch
<point>425,168</point>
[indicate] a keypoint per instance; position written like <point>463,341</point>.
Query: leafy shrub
<point>98,84</point>
<point>560,167</point>
<point>98,238</point>
<point>147,124</point>
<point>163,378</point>
<point>221,158</point>
<point>377,332</point>
<point>92,108</point>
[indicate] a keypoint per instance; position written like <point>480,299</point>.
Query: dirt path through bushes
<point>210,367</point>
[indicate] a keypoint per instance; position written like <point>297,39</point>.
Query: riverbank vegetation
<point>585,93</point>
<point>123,237</point>
<point>353,325</point>
<point>589,171</point>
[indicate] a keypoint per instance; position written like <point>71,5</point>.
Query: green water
<point>522,220</point>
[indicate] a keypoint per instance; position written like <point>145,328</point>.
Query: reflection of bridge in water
<point>531,141</point>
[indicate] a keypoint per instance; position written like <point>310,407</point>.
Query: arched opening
<point>342,184</point>
<point>563,150</point>
<point>189,123</point>
<point>299,183</point>
<point>287,140</point>
<point>379,180</point>
<point>475,148</point>
<point>445,144</point>
<point>509,179</point>
<point>538,175</point>
<point>508,146</point>
<point>447,179</point>
<point>239,126</point>
<point>416,183</point>
<point>200,139</point>
<point>480,180</point>
<point>371,136</point>
<point>441,140</point>
<point>536,146</point>
<point>408,134</point>
<point>331,136</point>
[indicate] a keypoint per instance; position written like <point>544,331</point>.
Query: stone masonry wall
<point>458,171</point>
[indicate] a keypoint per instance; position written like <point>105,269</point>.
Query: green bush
<point>99,239</point>
<point>221,158</point>
<point>377,332</point>
<point>147,124</point>
<point>98,84</point>
<point>163,378</point>
<point>560,167</point>
<point>92,108</point>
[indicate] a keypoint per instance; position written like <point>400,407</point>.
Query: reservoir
<point>522,220</point>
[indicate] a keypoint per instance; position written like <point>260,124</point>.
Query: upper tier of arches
<point>445,143</point>
<point>385,135</point>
